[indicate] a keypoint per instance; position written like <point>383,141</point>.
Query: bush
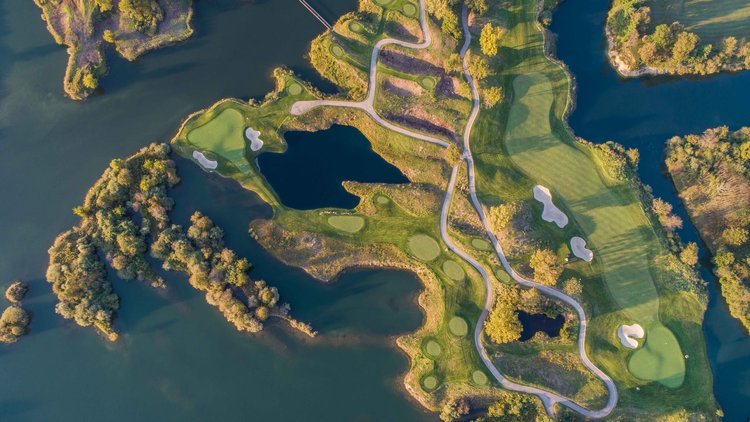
<point>16,291</point>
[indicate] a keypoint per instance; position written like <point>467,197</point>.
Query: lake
<point>644,114</point>
<point>309,175</point>
<point>177,359</point>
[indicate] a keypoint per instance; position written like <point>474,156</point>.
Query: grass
<point>430,382</point>
<point>711,20</point>
<point>222,135</point>
<point>424,247</point>
<point>479,378</point>
<point>481,244</point>
<point>347,223</point>
<point>453,270</point>
<point>648,362</point>
<point>458,326</point>
<point>433,348</point>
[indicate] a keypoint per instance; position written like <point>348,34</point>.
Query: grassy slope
<point>711,20</point>
<point>598,211</point>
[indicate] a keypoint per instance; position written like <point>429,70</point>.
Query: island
<point>650,37</point>
<point>133,27</point>
<point>711,172</point>
<point>14,320</point>
<point>466,102</point>
<point>125,217</point>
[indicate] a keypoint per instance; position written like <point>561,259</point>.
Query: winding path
<point>549,399</point>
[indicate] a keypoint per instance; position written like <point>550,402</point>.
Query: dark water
<point>644,114</point>
<point>534,323</point>
<point>177,359</point>
<point>309,174</point>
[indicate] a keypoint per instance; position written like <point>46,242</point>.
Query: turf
<point>478,377</point>
<point>615,225</point>
<point>223,135</point>
<point>294,89</point>
<point>481,244</point>
<point>347,223</point>
<point>458,326</point>
<point>453,270</point>
<point>424,247</point>
<point>711,20</point>
<point>647,363</point>
<point>433,348</point>
<point>409,9</point>
<point>429,382</point>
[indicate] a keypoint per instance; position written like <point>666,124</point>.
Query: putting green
<point>347,223</point>
<point>383,2</point>
<point>382,200</point>
<point>502,275</point>
<point>458,326</point>
<point>424,247</point>
<point>337,51</point>
<point>428,83</point>
<point>613,220</point>
<point>355,26</point>
<point>223,135</point>
<point>453,270</point>
<point>481,244</point>
<point>409,9</point>
<point>479,377</point>
<point>429,382</point>
<point>294,89</point>
<point>656,360</point>
<point>433,348</point>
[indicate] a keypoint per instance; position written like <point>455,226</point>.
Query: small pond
<point>534,323</point>
<point>309,174</point>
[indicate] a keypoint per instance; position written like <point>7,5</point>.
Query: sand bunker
<point>628,335</point>
<point>205,162</point>
<point>550,213</point>
<point>254,136</point>
<point>580,250</point>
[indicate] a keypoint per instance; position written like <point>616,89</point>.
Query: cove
<point>534,323</point>
<point>177,358</point>
<point>309,174</point>
<point>644,114</point>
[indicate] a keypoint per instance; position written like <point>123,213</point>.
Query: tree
<point>90,81</point>
<point>453,63</point>
<point>454,409</point>
<point>573,287</point>
<point>450,24</point>
<point>502,215</point>
<point>16,291</point>
<point>452,155</point>
<point>478,67</point>
<point>108,36</point>
<point>689,254</point>
<point>489,39</point>
<point>663,37</point>
<point>513,404</point>
<point>104,5</point>
<point>647,52</point>
<point>478,6</point>
<point>683,46</point>
<point>729,46</point>
<point>663,211</point>
<point>547,266</point>
<point>502,324</point>
<point>491,96</point>
<point>735,236</point>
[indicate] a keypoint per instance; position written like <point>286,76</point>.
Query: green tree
<point>689,254</point>
<point>489,39</point>
<point>502,324</point>
<point>684,46</point>
<point>453,63</point>
<point>450,24</point>
<point>90,81</point>
<point>547,266</point>
<point>491,96</point>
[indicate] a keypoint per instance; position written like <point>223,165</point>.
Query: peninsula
<point>133,27</point>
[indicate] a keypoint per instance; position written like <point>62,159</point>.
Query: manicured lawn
<point>223,136</point>
<point>347,223</point>
<point>453,270</point>
<point>458,326</point>
<point>712,20</point>
<point>648,363</point>
<point>615,225</point>
<point>424,247</point>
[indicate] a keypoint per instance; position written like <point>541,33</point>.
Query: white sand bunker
<point>628,335</point>
<point>254,136</point>
<point>550,213</point>
<point>580,250</point>
<point>205,162</point>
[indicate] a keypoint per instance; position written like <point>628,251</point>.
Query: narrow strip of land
<point>549,399</point>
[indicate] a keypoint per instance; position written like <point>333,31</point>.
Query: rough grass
<point>712,20</point>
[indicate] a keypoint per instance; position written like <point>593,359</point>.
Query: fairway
<point>223,136</point>
<point>711,20</point>
<point>347,223</point>
<point>424,247</point>
<point>615,226</point>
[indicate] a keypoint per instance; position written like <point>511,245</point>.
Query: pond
<point>534,323</point>
<point>644,114</point>
<point>309,174</point>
